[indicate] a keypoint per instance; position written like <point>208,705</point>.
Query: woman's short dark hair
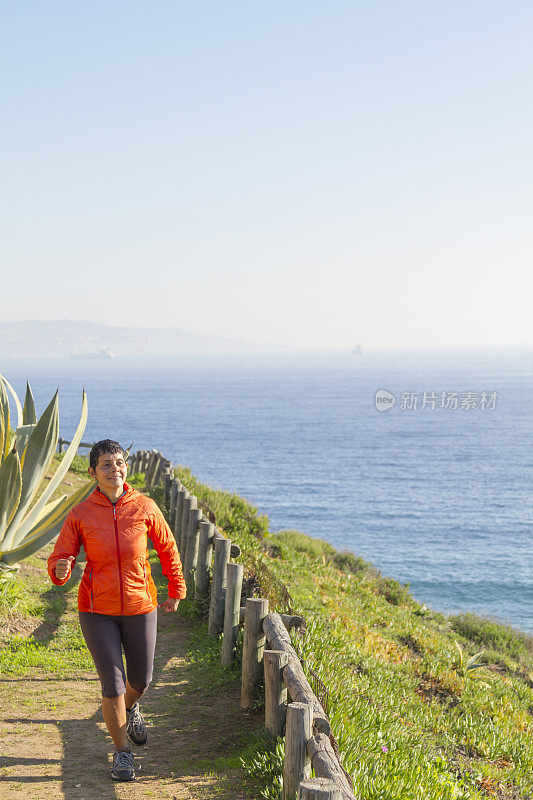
<point>104,446</point>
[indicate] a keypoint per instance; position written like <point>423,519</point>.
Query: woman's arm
<point>165,546</point>
<point>65,550</point>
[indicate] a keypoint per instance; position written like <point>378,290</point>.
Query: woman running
<point>117,597</point>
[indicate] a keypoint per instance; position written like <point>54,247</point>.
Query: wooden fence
<point>62,442</point>
<point>268,655</point>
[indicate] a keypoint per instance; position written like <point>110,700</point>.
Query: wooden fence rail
<point>268,653</point>
<point>62,442</point>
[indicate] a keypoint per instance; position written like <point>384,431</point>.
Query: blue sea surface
<point>437,497</point>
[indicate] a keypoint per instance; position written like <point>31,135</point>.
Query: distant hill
<point>65,338</point>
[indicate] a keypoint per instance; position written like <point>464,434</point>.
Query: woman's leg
<point>114,713</point>
<point>139,633</point>
<point>103,637</point>
<point>138,639</point>
<point>132,695</point>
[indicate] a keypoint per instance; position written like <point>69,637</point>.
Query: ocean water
<point>435,496</point>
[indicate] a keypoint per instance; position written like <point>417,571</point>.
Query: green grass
<point>410,723</point>
<point>63,654</point>
<point>263,761</point>
<point>56,646</point>
<point>16,596</point>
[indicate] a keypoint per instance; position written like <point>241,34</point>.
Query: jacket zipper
<point>91,588</point>
<point>146,582</point>
<point>119,562</point>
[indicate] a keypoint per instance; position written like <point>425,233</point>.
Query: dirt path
<point>54,742</point>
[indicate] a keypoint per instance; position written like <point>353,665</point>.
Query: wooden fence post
<point>145,462</point>
<point>160,463</point>
<point>148,467</point>
<point>234,573</point>
<point>151,466</point>
<point>319,789</point>
<point>191,547</point>
<point>218,585</point>
<point>167,479</point>
<point>182,494</point>
<point>172,504</point>
<point>293,674</point>
<point>275,691</point>
<point>253,648</point>
<point>205,550</point>
<point>296,764</point>
<point>188,503</point>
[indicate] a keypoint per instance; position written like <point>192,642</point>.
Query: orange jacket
<point>117,578</point>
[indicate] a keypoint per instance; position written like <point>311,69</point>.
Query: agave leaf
<point>22,438</point>
<point>17,403</point>
<point>39,453</point>
<point>10,489</point>
<point>32,517</point>
<point>473,662</point>
<point>1,435</point>
<point>44,534</point>
<point>47,512</point>
<point>29,416</point>
<point>48,515</point>
<point>461,654</point>
<point>4,420</point>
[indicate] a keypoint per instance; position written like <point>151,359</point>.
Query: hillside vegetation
<point>416,713</point>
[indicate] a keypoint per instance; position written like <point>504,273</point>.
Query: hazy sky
<point>314,173</point>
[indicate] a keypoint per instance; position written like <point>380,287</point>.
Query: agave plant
<point>25,525</point>
<point>466,667</point>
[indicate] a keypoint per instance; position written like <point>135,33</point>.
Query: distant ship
<point>105,353</point>
<point>358,349</point>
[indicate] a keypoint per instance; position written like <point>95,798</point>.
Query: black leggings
<point>104,635</point>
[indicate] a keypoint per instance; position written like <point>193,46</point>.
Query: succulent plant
<point>466,668</point>
<point>27,525</point>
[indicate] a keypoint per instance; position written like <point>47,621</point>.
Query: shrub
<point>393,592</point>
<point>243,517</point>
<point>490,633</point>
<point>349,562</point>
<point>315,548</point>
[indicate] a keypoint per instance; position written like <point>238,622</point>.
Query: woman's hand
<point>170,604</point>
<point>63,567</point>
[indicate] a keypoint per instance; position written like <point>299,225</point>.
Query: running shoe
<point>136,727</point>
<point>123,768</point>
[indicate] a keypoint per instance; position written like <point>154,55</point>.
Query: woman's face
<point>110,472</point>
